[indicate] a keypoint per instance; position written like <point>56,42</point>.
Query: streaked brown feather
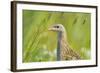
<point>67,53</point>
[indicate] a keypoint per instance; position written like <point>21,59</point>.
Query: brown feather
<point>67,53</point>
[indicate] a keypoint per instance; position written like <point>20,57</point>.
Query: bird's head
<point>57,28</point>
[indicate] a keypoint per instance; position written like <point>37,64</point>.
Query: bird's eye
<point>56,26</point>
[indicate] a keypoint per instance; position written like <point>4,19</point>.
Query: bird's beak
<point>51,29</point>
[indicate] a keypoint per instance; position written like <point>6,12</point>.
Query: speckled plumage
<point>67,53</point>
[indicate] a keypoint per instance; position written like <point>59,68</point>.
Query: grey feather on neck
<point>59,45</point>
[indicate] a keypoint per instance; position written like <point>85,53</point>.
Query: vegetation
<point>39,44</point>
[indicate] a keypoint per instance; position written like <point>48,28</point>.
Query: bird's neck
<point>61,36</point>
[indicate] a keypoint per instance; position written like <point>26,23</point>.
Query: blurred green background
<point>40,45</point>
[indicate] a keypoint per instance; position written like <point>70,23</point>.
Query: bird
<point>64,50</point>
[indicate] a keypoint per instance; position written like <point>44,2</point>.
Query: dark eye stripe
<point>56,26</point>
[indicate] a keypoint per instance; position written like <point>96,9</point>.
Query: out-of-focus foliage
<point>39,44</point>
